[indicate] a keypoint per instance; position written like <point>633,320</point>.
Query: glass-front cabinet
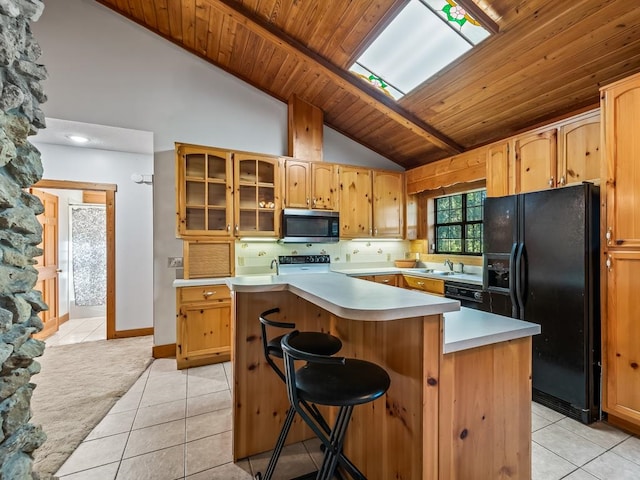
<point>257,195</point>
<point>204,182</point>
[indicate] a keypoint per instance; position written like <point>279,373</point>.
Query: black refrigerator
<point>541,265</point>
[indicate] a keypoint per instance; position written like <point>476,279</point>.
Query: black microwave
<point>310,226</point>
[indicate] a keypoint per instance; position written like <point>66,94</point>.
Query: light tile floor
<point>79,330</point>
<point>176,424</point>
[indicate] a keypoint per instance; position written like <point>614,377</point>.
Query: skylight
<point>425,37</point>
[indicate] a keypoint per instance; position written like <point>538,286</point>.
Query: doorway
<point>92,191</point>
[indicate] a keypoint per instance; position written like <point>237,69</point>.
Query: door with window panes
<point>458,223</point>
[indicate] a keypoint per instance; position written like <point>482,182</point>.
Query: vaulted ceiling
<point>548,60</point>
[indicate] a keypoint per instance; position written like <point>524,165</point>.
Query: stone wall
<point>20,233</point>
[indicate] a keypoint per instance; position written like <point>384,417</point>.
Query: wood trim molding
<point>134,332</point>
<point>72,185</point>
<point>164,351</point>
<point>63,318</point>
<point>110,190</point>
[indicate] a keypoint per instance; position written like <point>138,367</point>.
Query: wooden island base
<point>462,415</point>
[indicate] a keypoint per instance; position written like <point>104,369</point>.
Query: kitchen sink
<point>437,272</point>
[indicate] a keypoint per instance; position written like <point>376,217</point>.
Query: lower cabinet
<point>203,326</point>
<point>429,285</point>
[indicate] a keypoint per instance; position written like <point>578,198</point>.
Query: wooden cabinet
<point>622,333</point>
<point>371,203</point>
<point>257,195</point>
<point>429,285</point>
<point>391,279</point>
<point>579,151</point>
<point>203,327</point>
<point>311,185</point>
<point>535,161</point>
<point>620,245</point>
<point>388,204</point>
<point>498,170</point>
<point>355,202</point>
<point>204,187</point>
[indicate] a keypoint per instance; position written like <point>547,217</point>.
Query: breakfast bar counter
<point>459,401</point>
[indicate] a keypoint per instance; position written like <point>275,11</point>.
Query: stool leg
<point>336,440</point>
<point>291,413</point>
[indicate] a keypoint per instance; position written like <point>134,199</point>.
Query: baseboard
<point>164,351</point>
<point>623,424</point>
<point>136,332</point>
<point>63,318</point>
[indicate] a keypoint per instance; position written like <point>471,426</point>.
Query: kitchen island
<point>459,405</point>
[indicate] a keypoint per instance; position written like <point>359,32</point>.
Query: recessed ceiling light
<point>78,138</point>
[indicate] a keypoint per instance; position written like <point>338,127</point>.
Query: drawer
<point>204,293</point>
<point>430,285</point>
<point>386,279</point>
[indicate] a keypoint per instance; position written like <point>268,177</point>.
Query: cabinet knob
<point>608,236</point>
<point>228,227</point>
<point>307,201</point>
<point>562,181</point>
<point>386,280</point>
<point>420,284</point>
<point>551,181</point>
<point>313,202</point>
<point>208,294</point>
<point>237,228</point>
<point>609,263</point>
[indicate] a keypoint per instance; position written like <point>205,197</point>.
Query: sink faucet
<point>461,267</point>
<point>449,264</point>
<point>277,264</point>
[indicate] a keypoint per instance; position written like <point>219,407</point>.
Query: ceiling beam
<point>480,15</point>
<point>343,79</point>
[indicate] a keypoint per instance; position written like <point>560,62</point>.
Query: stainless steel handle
<point>208,294</point>
<point>551,181</point>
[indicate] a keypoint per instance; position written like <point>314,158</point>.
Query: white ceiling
<point>100,136</point>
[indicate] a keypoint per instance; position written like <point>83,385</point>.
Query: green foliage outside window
<point>458,223</point>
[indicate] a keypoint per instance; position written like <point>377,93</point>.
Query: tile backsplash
<point>255,257</point>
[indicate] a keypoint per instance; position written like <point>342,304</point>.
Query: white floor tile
<point>105,472</point>
<point>228,471</point>
<point>207,453</point>
<point>208,403</point>
<point>293,462</point>
<point>629,449</point>
<point>156,437</point>
<point>546,412</point>
<point>95,453</point>
<point>599,433</point>
<point>611,466</point>
<point>162,413</point>
<point>538,422</point>
<point>112,424</point>
<point>580,475</point>
<point>546,465</point>
<point>208,424</point>
<point>165,464</point>
<point>568,445</point>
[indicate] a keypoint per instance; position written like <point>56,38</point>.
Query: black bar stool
<point>333,381</point>
<point>312,342</point>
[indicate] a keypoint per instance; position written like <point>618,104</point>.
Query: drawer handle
<point>386,280</point>
<point>208,294</point>
<point>421,284</point>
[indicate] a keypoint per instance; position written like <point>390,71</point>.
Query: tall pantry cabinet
<point>621,250</point>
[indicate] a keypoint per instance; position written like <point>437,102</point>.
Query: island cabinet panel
<point>355,197</point>
<point>388,204</point>
<point>622,373</point>
<point>455,416</point>
<point>484,438</point>
<point>535,161</point>
<point>203,327</point>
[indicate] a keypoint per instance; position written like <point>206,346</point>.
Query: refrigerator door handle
<point>512,278</point>
<point>519,293</point>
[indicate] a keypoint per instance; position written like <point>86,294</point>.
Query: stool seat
<point>312,342</point>
<point>353,383</point>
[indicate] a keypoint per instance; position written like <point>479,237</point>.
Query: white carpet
<point>77,386</point>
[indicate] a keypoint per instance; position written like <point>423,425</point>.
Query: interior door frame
<point>110,192</point>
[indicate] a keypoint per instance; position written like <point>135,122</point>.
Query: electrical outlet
<point>241,261</point>
<point>348,257</point>
<point>175,262</point>
<point>388,257</point>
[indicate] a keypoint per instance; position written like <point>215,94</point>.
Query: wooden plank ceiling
<point>548,60</point>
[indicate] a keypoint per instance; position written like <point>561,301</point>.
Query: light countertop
<point>475,279</point>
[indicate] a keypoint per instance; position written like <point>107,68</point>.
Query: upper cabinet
<point>355,202</point>
<point>621,176</point>
<point>257,195</point>
<point>311,185</point>
<point>388,204</point>
<point>204,191</point>
<point>371,203</point>
<point>564,153</point>
<point>535,161</point>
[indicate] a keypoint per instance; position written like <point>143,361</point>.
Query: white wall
<point>134,222</point>
<point>104,69</point>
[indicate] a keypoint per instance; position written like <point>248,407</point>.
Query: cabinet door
<point>429,285</point>
<point>324,186</point>
<point>204,186</point>
<point>257,196</point>
<point>203,333</point>
<point>622,149</point>
<point>579,152</point>
<point>297,184</point>
<point>622,347</point>
<point>388,211</point>
<point>498,170</point>
<point>536,161</point>
<point>355,202</point>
